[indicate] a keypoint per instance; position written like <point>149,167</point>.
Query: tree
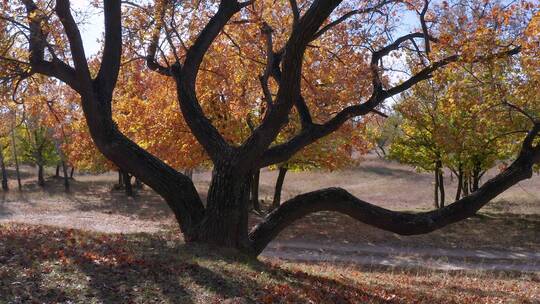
<point>178,36</point>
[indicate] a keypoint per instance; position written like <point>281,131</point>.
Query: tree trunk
<point>41,178</point>
<point>226,218</point>
<point>441,188</point>
<point>63,164</point>
<point>465,184</point>
<point>255,191</point>
<point>16,158</point>
<point>127,183</point>
<point>57,173</point>
<point>459,183</point>
<point>5,185</point>
<point>72,172</point>
<point>436,188</point>
<point>279,186</point>
<point>66,177</point>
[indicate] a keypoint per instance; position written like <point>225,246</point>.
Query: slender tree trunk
<point>72,172</point>
<point>441,188</point>
<point>255,191</point>
<point>66,177</point>
<point>57,173</point>
<point>436,187</point>
<point>279,186</point>
<point>41,178</point>
<point>16,157</point>
<point>127,183</point>
<point>465,184</point>
<point>459,183</point>
<point>5,185</point>
<point>63,164</point>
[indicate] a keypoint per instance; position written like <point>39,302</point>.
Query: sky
<point>92,29</point>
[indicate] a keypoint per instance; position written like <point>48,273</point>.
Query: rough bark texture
<point>226,219</point>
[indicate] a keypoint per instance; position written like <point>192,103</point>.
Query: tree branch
<point>112,51</point>
<point>339,200</point>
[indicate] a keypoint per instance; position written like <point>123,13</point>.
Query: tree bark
<point>279,186</point>
<point>72,172</point>
<point>226,218</point>
<point>255,190</point>
<point>57,173</point>
<point>5,185</point>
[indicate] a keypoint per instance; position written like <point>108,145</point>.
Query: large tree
<point>178,38</point>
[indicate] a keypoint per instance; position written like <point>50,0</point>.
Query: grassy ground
<point>50,265</point>
<point>129,250</point>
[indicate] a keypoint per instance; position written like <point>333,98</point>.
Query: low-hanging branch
<point>339,200</point>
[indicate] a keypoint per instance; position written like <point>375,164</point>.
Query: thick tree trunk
<point>226,218</point>
<point>127,183</point>
<point>279,186</point>
<point>5,185</point>
<point>255,191</point>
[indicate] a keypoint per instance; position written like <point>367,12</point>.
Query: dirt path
<point>406,257</point>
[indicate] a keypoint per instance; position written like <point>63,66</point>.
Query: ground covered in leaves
<point>40,264</point>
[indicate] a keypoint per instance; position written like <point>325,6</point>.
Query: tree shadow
<point>146,268</point>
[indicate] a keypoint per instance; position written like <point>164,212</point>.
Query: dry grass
<point>47,265</point>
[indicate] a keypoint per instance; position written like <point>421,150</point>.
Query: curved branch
<point>282,152</point>
<point>339,200</point>
<point>209,137</point>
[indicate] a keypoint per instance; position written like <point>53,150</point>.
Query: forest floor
<point>494,257</point>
